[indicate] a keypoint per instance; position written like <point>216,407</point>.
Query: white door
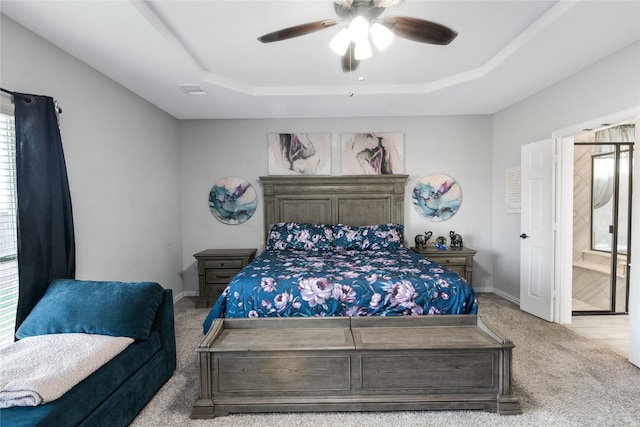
<point>536,238</point>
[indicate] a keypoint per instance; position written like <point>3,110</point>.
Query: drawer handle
<point>226,276</point>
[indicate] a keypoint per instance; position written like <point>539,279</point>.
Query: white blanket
<point>37,370</point>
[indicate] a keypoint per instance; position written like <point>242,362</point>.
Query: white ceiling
<point>505,52</point>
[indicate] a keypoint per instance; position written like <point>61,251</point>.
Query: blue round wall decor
<point>437,197</point>
<point>232,200</point>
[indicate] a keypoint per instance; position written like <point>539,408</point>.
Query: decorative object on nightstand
<point>455,239</point>
<point>422,239</point>
<point>232,200</point>
<point>458,260</point>
<point>441,243</point>
<point>437,197</point>
<point>216,268</point>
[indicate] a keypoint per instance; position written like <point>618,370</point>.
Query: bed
<point>389,281</point>
<point>334,257</point>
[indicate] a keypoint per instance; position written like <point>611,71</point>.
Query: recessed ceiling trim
<point>227,83</point>
<point>336,90</point>
<point>516,44</point>
<point>158,24</point>
<point>524,37</point>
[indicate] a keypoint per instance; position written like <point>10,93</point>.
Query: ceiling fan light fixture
<point>363,50</point>
<point>353,43</point>
<point>340,42</point>
<point>381,36</point>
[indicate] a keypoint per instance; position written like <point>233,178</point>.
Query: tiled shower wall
<point>581,199</point>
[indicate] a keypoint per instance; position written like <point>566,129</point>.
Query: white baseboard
<point>506,296</point>
<point>181,295</point>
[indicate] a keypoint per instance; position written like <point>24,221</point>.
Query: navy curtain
<point>46,244</point>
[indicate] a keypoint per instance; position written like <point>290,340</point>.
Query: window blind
<point>8,216</point>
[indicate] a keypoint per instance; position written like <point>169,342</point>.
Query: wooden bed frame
<point>350,364</point>
<point>349,200</point>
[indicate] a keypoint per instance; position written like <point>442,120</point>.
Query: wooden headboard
<point>350,200</point>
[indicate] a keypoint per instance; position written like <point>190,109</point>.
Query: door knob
<point>523,236</point>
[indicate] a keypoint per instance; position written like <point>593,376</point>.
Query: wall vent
<point>191,89</point>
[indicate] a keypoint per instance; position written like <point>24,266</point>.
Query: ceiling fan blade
<point>419,30</point>
<point>349,62</point>
<point>296,31</point>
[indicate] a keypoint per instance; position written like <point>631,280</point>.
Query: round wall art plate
<point>232,200</point>
<point>437,197</point>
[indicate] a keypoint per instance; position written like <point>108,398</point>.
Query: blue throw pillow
<point>368,237</point>
<point>121,309</point>
<point>300,237</point>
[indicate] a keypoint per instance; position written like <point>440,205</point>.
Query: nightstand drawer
<point>458,260</point>
<point>221,275</point>
<point>458,269</point>
<point>450,260</point>
<point>223,263</point>
<point>216,268</point>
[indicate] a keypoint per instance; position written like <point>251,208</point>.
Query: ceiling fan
<point>364,17</point>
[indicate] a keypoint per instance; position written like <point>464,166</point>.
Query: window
<point>8,232</point>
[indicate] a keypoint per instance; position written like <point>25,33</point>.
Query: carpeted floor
<point>560,378</point>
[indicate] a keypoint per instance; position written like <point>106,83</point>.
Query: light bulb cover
<point>359,29</point>
<point>381,35</point>
<point>363,50</point>
<point>340,42</point>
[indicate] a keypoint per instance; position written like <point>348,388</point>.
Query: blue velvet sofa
<point>115,393</point>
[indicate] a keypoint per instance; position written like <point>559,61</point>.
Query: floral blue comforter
<point>394,282</point>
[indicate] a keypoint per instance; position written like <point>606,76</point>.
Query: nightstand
<point>216,268</point>
<point>458,260</point>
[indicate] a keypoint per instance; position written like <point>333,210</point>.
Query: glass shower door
<point>603,199</point>
<point>621,235</point>
<point>610,224</point>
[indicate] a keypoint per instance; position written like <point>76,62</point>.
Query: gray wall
<point>121,159</point>
<point>459,146</point>
<point>607,87</point>
<point>603,89</point>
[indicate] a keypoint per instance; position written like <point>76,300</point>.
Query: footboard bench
<point>354,364</point>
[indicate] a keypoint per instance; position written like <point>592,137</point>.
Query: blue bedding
<point>385,282</point>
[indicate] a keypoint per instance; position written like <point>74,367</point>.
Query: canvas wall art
<point>437,197</point>
<point>299,153</point>
<point>232,200</point>
<point>372,153</point>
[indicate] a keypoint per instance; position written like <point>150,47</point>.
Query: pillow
<point>368,237</point>
<point>300,236</point>
<point>120,309</point>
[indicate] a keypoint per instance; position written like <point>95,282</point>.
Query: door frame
<point>563,218</point>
